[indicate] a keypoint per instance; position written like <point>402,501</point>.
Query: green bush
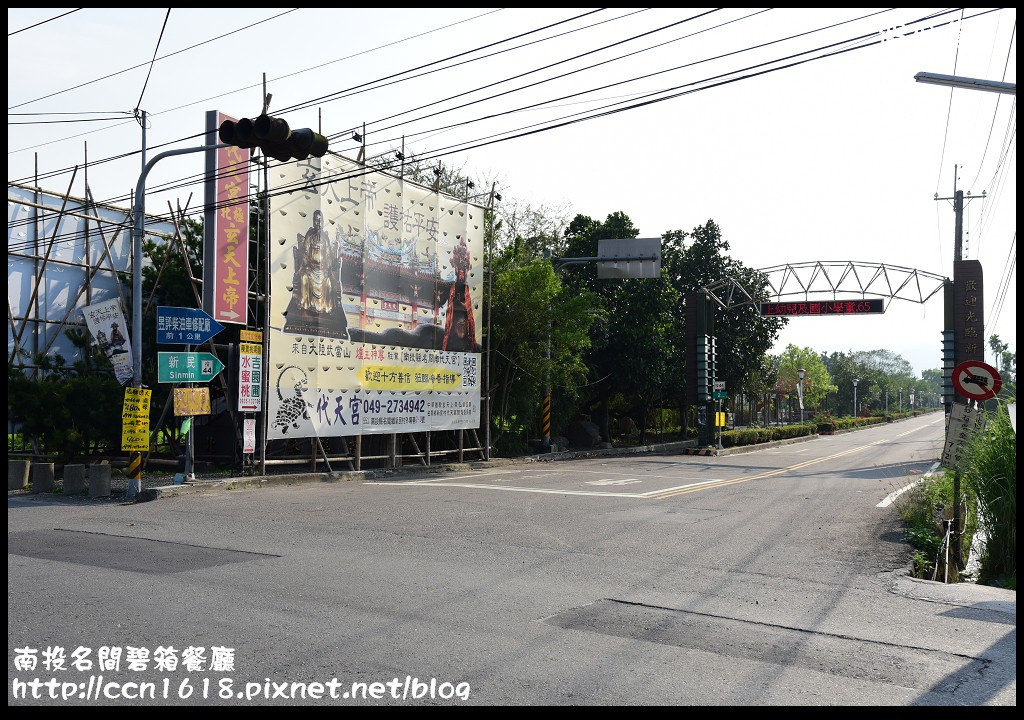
<point>989,473</point>
<point>753,436</point>
<point>923,511</point>
<point>69,411</point>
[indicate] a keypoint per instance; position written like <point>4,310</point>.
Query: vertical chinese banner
<point>250,376</point>
<point>226,237</point>
<point>106,323</point>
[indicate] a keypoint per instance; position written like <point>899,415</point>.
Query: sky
<point>801,133</point>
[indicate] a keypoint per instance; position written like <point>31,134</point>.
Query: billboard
<point>376,294</point>
<point>226,246</point>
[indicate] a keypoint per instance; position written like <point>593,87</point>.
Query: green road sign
<point>719,395</point>
<point>181,367</point>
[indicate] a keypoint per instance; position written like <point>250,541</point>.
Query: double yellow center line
<point>673,492</point>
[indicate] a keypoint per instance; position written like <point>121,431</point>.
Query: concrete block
<point>74,479</point>
<point>17,474</point>
<point>99,481</point>
<point>42,478</point>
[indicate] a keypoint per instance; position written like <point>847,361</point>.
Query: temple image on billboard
<point>400,277</point>
<point>316,307</point>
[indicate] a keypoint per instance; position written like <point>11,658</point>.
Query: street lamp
<point>901,400</point>
<point>855,381</point>
<point>966,83</point>
<point>801,372</point>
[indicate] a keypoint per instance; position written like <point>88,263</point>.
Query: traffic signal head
<point>706,367</point>
<point>273,136</point>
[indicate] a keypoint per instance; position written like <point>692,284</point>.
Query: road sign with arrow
<point>187,367</point>
<point>184,326</point>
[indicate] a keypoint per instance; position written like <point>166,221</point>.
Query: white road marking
<point>522,489</point>
<point>609,481</point>
<point>891,497</point>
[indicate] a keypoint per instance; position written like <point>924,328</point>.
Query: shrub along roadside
<point>989,474</point>
<point>925,510</point>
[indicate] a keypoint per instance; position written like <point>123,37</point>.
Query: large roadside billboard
<point>376,295</point>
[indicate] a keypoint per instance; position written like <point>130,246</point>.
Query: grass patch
<point>925,511</point>
<point>989,473</point>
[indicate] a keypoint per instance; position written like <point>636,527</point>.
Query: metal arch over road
<point>836,279</point>
<point>850,277</point>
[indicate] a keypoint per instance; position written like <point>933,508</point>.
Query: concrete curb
<point>962,594</point>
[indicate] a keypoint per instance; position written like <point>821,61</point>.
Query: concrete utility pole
<point>959,343</point>
<point>959,81</point>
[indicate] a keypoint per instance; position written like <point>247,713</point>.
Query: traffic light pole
<point>139,212</point>
<point>557,264</point>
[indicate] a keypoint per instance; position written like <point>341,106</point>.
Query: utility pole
<point>965,327</point>
<point>135,459</point>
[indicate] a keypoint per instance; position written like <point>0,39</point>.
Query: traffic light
<point>273,136</point>
<point>706,366</point>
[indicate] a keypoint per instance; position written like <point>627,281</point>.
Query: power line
<point>608,110</point>
<point>330,96</point>
<point>995,111</point>
<point>649,75</point>
<point>456,148</point>
<point>135,67</point>
<point>155,51</point>
<point>491,139</point>
<point>56,17</point>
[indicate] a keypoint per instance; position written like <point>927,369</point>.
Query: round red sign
<point>976,380</point>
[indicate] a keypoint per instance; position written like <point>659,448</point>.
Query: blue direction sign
<point>181,367</point>
<point>184,326</point>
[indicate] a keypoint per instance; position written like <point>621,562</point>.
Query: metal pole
<point>266,316</point>
<point>190,441</point>
<point>135,464</point>
<point>135,459</point>
<point>719,424</point>
<point>490,276</point>
<point>546,409</point>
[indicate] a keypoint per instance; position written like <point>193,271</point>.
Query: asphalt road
<point>773,577</point>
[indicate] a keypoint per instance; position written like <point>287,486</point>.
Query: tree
<point>71,411</point>
<point>883,373</point>
<point>636,352</point>
<point>697,260</point>
<point>1005,361</point>
<point>520,368</point>
<point>817,382</point>
<point>930,387</point>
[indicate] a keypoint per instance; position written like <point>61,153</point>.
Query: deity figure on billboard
<point>459,326</point>
<point>318,285</point>
<point>316,304</point>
